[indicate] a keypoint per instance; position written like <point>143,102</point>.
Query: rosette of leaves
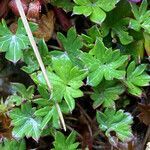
<point>14,43</point>
<point>115,121</point>
<point>103,63</point>
<point>66,79</point>
<point>142,17</point>
<point>106,93</point>
<point>136,78</point>
<point>96,9</point>
<point>62,142</point>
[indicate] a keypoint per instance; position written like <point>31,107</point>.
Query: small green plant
<point>142,16</point>
<point>95,9</point>
<point>13,145</point>
<point>13,44</point>
<point>118,121</point>
<point>84,81</point>
<point>61,142</point>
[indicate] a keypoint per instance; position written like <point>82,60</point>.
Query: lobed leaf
<point>116,121</point>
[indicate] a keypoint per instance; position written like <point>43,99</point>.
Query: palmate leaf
<point>11,43</point>
<point>66,79</point>
<point>25,123</point>
<point>116,121</point>
<point>136,78</point>
<point>106,93</point>
<point>71,44</point>
<point>95,9</point>
<point>103,63</point>
<point>61,142</point>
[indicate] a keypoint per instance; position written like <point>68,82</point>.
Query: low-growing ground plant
<point>74,74</point>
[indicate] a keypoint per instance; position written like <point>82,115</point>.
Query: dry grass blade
<point>37,54</point>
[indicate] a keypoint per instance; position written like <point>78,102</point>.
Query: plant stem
<point>38,56</point>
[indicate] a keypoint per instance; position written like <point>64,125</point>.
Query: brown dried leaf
<point>3,8</point>
<point>34,10</point>
<point>13,6</point>
<point>46,26</point>
<point>144,116</point>
<point>5,128</point>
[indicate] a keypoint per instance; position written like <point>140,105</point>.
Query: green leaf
<point>106,93</point>
<point>92,34</point>
<point>43,92</point>
<point>71,44</point>
<point>103,63</point>
<point>61,142</point>
<point>44,52</point>
<point>120,30</point>
<point>47,110</point>
<point>15,100</point>
<point>143,7</point>
<point>22,91</point>
<point>119,122</point>
<point>72,38</point>
<point>136,50</point>
<point>135,25</point>
<point>142,17</point>
<point>147,43</point>
<point>135,10</point>
<point>66,79</point>
<point>20,94</point>
<point>65,4</point>
<point>136,78</point>
<point>107,5</point>
<point>47,118</point>
<point>30,59</point>
<point>25,123</point>
<point>118,23</point>
<point>13,44</point>
<point>146,24</point>
<point>94,9</point>
<point>98,15</point>
<point>13,145</point>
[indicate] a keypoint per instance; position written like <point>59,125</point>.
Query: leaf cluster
<point>101,62</point>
